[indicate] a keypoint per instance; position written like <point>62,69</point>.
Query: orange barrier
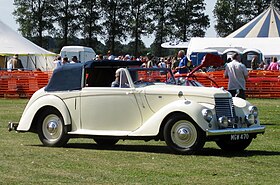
<point>260,84</point>
<point>22,84</point>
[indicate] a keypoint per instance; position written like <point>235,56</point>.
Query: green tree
<point>161,25</point>
<point>230,15</point>
<point>261,5</point>
<point>129,48</point>
<point>114,21</point>
<point>138,22</point>
<point>89,21</point>
<point>67,16</point>
<point>35,18</point>
<point>189,19</point>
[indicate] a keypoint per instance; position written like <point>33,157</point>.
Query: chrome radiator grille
<point>224,107</point>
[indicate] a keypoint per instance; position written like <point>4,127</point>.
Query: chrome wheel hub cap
<point>52,127</point>
<point>183,133</point>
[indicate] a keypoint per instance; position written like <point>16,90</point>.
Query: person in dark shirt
<point>183,64</point>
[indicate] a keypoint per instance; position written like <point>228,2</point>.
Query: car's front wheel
<point>51,128</point>
<point>225,143</point>
<point>182,135</point>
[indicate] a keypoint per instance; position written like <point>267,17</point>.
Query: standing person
<point>14,63</point>
<point>162,63</point>
<point>168,62</point>
<point>237,74</point>
<point>183,64</point>
<point>254,63</point>
<point>110,56</point>
<point>75,60</point>
<point>58,61</point>
<point>151,62</point>
<point>273,64</point>
<point>65,61</point>
<point>174,63</point>
<point>99,57</point>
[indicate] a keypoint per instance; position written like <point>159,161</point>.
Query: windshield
<point>151,76</point>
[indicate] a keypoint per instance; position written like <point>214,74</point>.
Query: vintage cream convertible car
<point>147,105</point>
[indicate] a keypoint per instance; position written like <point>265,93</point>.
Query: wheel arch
<point>33,127</point>
<point>167,117</point>
<point>31,113</point>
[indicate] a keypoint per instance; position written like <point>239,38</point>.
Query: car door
<point>109,109</point>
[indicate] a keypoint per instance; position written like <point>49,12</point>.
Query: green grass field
<point>23,159</point>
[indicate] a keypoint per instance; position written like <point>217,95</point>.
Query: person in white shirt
<point>58,62</point>
<point>75,60</point>
<point>237,74</point>
<point>162,63</point>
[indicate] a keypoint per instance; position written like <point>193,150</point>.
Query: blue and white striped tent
<point>267,24</point>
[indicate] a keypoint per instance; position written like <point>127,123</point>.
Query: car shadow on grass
<point>245,153</point>
<point>162,149</point>
<point>123,147</point>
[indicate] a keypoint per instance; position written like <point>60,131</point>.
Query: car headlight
<point>207,114</point>
<point>250,118</point>
<point>254,110</point>
<point>223,122</point>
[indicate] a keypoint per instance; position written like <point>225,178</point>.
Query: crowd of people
<point>179,64</point>
<point>273,64</point>
<point>235,70</point>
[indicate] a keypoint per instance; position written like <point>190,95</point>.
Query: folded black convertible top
<point>69,76</point>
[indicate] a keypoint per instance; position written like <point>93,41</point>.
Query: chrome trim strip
<point>228,131</point>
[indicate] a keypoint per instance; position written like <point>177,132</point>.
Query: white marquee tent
<point>262,33</point>
<point>31,55</point>
<point>268,46</point>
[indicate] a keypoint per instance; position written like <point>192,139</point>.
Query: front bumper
<point>229,131</point>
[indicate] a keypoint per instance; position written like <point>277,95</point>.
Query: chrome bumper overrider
<point>229,131</point>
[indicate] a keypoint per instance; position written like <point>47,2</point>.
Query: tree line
<point>55,23</point>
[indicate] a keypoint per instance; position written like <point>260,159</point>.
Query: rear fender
<point>45,101</point>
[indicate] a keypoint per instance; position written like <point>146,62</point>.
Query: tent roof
<point>267,24</point>
<point>268,46</point>
<point>13,43</point>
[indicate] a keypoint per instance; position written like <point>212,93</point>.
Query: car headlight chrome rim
<point>254,110</point>
<point>207,114</point>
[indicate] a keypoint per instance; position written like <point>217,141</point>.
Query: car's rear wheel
<point>183,136</point>
<point>106,141</point>
<point>51,128</point>
<point>225,143</point>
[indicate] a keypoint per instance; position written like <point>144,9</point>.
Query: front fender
<point>152,126</point>
<point>31,110</point>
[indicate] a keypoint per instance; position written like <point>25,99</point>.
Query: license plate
<point>236,137</point>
